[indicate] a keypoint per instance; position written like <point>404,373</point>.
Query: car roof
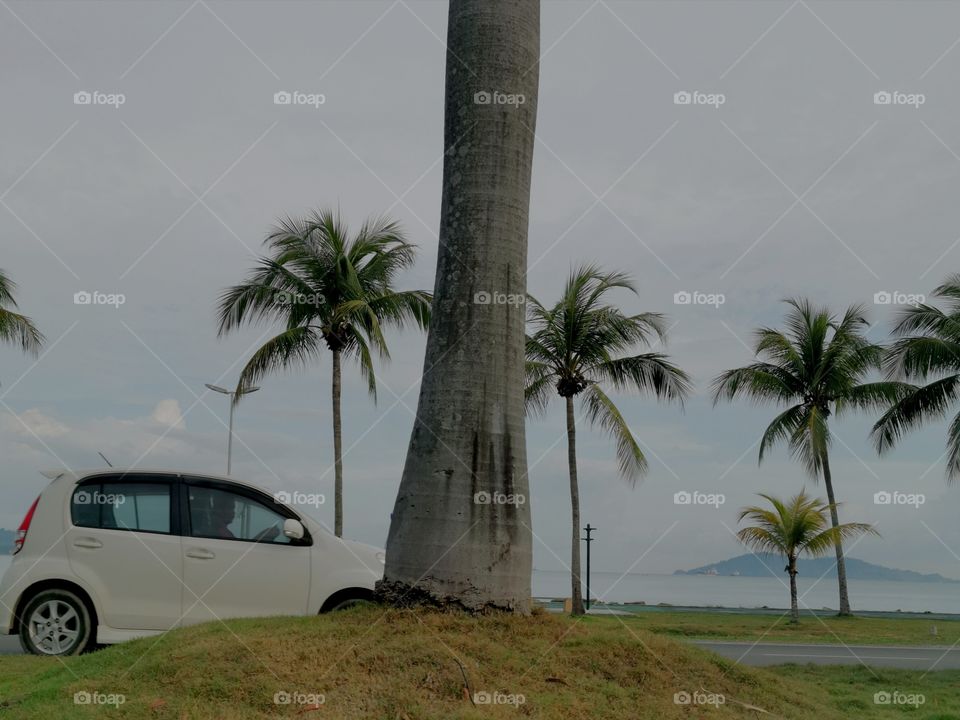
<point>77,475</point>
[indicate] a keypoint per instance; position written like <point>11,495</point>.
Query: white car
<point>110,555</point>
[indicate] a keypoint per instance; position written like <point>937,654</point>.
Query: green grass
<point>774,628</point>
<point>851,690</point>
<point>403,665</point>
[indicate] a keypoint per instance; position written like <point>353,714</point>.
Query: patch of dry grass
<point>372,663</point>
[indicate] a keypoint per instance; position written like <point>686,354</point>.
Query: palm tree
<point>927,348</point>
<point>816,367</point>
<point>327,288</point>
<point>792,528</point>
<point>575,347</point>
<point>468,438</point>
<point>15,328</point>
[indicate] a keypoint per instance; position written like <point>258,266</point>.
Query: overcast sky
<point>798,182</point>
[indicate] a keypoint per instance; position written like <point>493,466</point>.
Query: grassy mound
<point>404,665</point>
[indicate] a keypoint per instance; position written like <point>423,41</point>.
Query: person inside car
<point>222,514</point>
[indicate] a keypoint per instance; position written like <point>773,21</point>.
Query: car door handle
<point>87,542</point>
<point>200,554</point>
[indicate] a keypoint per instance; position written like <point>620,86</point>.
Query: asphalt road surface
<point>10,645</point>
<point>906,658</point>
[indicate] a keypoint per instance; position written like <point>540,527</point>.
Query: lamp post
<point>589,540</point>
<point>232,394</point>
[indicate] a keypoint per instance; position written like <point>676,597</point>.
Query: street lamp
<point>231,393</point>
<point>589,540</point>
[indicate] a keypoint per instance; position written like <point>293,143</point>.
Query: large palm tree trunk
<point>446,544</point>
<point>337,448</point>
<point>576,586</point>
<point>835,520</point>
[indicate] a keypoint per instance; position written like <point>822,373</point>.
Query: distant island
<point>749,565</point>
<point>6,541</point>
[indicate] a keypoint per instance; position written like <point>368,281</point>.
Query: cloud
<point>167,413</point>
<point>33,422</point>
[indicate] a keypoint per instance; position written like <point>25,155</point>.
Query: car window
<point>217,513</point>
<point>122,506</point>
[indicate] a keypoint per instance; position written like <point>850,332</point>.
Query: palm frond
<point>647,372</point>
<point>16,328</point>
<point>925,403</point>
<point>760,382</point>
<point>538,387</point>
<point>292,347</point>
<point>800,525</point>
<point>603,413</point>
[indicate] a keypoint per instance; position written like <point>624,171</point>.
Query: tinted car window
<point>122,506</point>
<point>218,513</point>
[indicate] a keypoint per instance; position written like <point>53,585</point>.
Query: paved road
<point>907,658</point>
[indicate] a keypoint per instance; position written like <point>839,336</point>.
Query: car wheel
<point>350,603</point>
<point>55,622</point>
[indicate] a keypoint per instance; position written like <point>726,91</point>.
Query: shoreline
<point>632,608</point>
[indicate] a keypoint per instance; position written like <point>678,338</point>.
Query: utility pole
<point>589,540</point>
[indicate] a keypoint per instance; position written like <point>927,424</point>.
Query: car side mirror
<point>293,529</point>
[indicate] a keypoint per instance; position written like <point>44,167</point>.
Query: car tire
<point>56,622</point>
<point>351,603</point>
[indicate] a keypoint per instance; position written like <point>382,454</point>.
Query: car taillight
<point>24,527</point>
